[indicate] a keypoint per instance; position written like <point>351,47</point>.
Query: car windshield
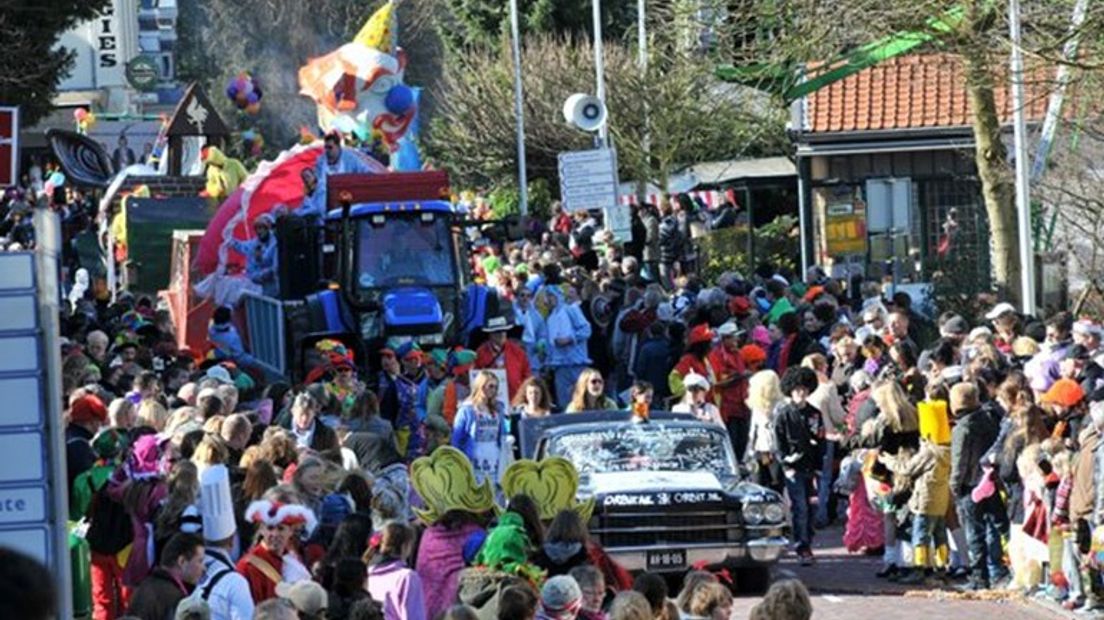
<point>646,447</point>
<point>404,251</point>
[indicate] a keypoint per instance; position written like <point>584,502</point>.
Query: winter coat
<point>670,241</point>
<point>929,471</point>
<point>511,357</point>
<point>157,596</point>
<point>398,589</point>
<point>440,560</point>
<point>971,437</point>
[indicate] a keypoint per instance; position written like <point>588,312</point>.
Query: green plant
<point>727,249</point>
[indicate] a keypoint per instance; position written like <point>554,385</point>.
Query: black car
<point>668,493</point>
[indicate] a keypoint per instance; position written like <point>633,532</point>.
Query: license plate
<point>661,559</point>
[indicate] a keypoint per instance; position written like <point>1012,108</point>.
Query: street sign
<point>33,484</point>
<point>588,179</point>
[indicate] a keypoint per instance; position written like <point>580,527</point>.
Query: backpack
<point>111,528</point>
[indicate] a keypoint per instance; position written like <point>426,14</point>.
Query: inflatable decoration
<point>275,182</point>
<point>83,159</point>
<point>551,482</point>
<point>245,92</point>
<point>359,87</point>
<point>445,481</point>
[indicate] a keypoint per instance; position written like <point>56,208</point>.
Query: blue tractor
<point>392,263</point>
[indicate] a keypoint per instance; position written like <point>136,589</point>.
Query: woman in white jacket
<point>764,395</point>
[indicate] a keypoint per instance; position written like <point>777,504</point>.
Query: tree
<point>690,117</point>
<point>467,24</point>
<point>32,68</point>
<point>793,33</point>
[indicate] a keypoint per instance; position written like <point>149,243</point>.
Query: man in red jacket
<point>732,385</point>
<point>501,352</point>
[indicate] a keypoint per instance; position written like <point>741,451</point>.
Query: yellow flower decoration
<point>551,482</point>
<point>445,481</point>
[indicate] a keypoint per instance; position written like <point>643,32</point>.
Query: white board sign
<point>588,179</point>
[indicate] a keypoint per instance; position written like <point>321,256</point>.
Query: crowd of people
<point>959,448</point>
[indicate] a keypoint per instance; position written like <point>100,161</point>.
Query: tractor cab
<point>399,266</point>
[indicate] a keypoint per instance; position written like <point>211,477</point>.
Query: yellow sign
<point>845,234</point>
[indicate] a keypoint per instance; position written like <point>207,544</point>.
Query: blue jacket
<point>463,430</point>
<point>347,163</point>
<point>567,320</point>
<point>260,262</point>
<point>228,344</point>
<point>313,208</point>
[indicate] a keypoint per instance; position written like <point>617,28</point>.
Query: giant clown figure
<point>359,88</point>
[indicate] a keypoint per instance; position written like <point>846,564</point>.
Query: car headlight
<point>774,513</point>
<point>753,514</point>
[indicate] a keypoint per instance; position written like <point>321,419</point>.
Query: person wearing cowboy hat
<point>263,566</point>
<point>260,255</point>
<point>498,351</point>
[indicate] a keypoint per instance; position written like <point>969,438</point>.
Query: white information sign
<point>33,484</point>
<point>588,179</point>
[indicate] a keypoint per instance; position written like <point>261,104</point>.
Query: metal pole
<point>642,63</point>
<point>519,111</point>
<point>1023,182</point>
<point>599,69</point>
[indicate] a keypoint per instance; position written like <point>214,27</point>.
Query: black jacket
<point>793,442</point>
<point>973,434</point>
<point>79,456</point>
<point>670,241</point>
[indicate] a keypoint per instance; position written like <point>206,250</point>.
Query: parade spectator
<point>590,394</point>
<point>798,452</point>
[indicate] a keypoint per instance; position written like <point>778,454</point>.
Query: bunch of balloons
<point>54,180</point>
<point>252,142</point>
<point>85,119</point>
<point>245,92</point>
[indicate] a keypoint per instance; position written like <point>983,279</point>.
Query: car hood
<point>643,481</point>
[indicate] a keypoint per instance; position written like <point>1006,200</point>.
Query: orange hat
<point>88,409</point>
<point>700,333</point>
<point>812,293</point>
<point>753,354</point>
<point>1064,392</point>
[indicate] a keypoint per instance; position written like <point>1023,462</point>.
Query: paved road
<point>844,588</point>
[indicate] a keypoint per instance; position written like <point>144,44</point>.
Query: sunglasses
<point>344,370</point>
<point>596,382</point>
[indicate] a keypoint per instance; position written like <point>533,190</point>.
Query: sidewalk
<point>837,572</point>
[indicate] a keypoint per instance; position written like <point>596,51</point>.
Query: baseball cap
<point>307,596</point>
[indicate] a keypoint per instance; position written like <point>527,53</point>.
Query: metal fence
<point>265,322</point>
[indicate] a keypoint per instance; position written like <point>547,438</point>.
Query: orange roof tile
<point>909,92</point>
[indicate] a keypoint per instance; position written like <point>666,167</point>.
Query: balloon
<point>253,97</point>
<point>48,188</point>
<point>399,99</point>
<point>232,91</point>
<point>80,114</point>
<point>57,179</point>
<point>248,135</point>
<point>253,108</point>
